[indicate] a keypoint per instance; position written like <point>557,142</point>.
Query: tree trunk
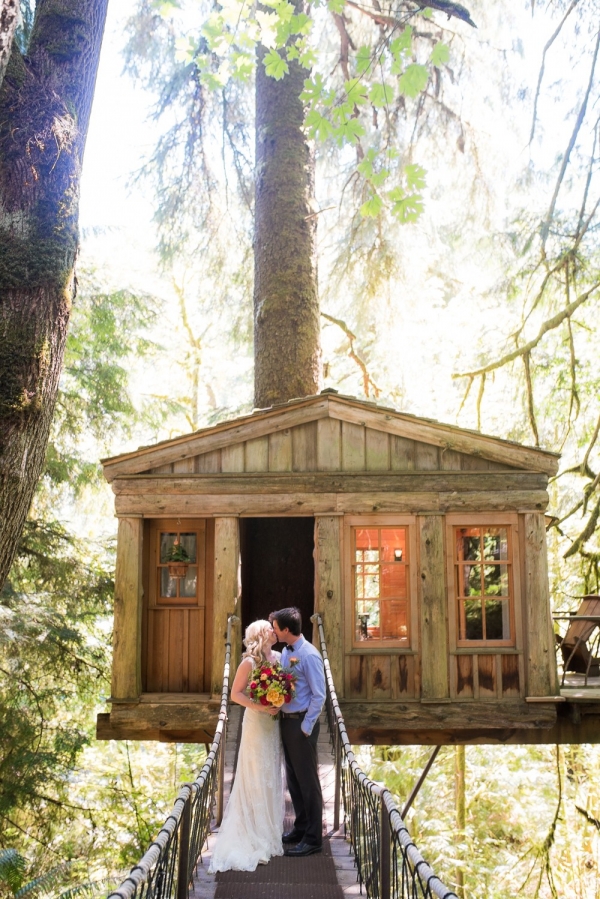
<point>45,104</point>
<point>287,349</point>
<point>9,19</point>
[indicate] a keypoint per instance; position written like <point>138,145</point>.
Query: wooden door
<point>177,610</point>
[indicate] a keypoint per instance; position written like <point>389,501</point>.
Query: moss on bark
<point>287,355</point>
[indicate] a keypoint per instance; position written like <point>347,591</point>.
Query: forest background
<point>481,310</point>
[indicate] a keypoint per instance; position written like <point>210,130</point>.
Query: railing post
<point>384,850</point>
<point>338,778</point>
<point>221,784</point>
<point>184,849</point>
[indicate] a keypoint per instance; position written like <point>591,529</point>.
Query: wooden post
<point>542,678</point>
<point>434,601</point>
<point>338,779</point>
<point>225,594</point>
<point>184,849</point>
<point>384,851</point>
<point>328,589</point>
<point>127,633</point>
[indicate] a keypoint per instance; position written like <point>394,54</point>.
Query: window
<point>174,589</point>
<point>483,564</point>
<point>380,584</point>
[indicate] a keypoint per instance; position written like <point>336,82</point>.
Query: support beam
<point>542,677</point>
<point>226,592</point>
<point>127,633</point>
<point>329,601</point>
<point>434,630</point>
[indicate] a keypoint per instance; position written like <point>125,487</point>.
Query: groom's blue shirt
<point>310,682</point>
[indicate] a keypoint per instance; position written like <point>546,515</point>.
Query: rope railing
<point>167,868</point>
<point>388,863</point>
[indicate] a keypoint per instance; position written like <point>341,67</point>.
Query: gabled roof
<point>330,404</point>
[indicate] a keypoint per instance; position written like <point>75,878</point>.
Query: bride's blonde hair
<point>257,641</point>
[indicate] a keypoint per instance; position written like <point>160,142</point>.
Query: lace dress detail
<point>253,821</point>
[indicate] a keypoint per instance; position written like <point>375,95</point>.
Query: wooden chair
<point>577,655</point>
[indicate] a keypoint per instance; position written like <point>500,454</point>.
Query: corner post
<point>127,634</point>
<point>225,593</point>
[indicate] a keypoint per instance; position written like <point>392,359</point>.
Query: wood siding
<point>330,445</point>
<point>127,645</point>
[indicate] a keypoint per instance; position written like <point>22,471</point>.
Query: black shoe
<point>303,849</point>
<point>292,836</point>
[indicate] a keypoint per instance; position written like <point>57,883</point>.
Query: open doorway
<point>278,567</point>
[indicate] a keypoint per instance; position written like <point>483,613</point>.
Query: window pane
<point>393,544</point>
<point>495,579</point>
<point>367,538</point>
<point>468,544</point>
<point>470,580</point>
<point>168,585</point>
<point>495,544</point>
<point>187,584</point>
<point>393,581</point>
<point>367,620</point>
<point>188,542</point>
<point>371,585</point>
<point>471,621</point>
<point>166,545</point>
<point>359,582</point>
<point>497,619</point>
<point>394,620</point>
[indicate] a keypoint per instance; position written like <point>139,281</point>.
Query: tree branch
<point>548,325</point>
<point>367,379</point>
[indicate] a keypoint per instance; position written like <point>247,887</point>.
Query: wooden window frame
<point>173,525</point>
<point>480,520</point>
<point>410,643</point>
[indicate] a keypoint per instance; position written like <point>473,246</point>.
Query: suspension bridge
<point>367,848</point>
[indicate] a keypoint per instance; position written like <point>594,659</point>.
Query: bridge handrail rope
<point>167,868</point>
<point>388,862</point>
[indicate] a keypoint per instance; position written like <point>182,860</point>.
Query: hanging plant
<point>178,560</point>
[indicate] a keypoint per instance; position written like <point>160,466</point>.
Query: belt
<point>294,714</point>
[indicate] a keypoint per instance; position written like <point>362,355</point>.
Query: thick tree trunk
<point>45,104</point>
<point>287,351</point>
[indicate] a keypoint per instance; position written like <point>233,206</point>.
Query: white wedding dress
<point>253,821</point>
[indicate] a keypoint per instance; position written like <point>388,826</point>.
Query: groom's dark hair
<point>290,618</point>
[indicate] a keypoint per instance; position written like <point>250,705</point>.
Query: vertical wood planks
<point>377,450</point>
<point>232,458</point>
<point>280,450</point>
<point>257,454</point>
<point>304,447</point>
<point>541,668</point>
<point>127,634</point>
<point>432,580</point>
<point>402,453</point>
<point>209,463</point>
<point>426,457</point>
<point>449,460</point>
<point>225,592</point>
<point>328,599</point>
<point>353,447</point>
<point>329,445</point>
<point>184,466</point>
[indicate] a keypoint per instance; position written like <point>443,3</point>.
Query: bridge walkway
<point>330,875</point>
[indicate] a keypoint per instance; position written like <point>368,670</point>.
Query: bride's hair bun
<point>257,640</point>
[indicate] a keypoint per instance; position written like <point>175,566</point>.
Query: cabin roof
<point>330,404</point>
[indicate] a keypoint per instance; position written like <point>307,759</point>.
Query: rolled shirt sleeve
<point>315,676</point>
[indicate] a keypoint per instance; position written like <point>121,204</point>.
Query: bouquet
<point>271,684</point>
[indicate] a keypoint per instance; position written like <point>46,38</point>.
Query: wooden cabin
<point>421,544</point>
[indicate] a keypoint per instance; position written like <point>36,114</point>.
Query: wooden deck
<point>331,875</point>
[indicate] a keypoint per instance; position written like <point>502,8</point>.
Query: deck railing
<point>167,868</point>
<point>389,864</point>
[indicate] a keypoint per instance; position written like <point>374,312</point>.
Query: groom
<point>300,732</point>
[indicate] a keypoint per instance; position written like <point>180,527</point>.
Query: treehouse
<point>422,545</point>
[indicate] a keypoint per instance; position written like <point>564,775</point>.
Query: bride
<point>250,833</point>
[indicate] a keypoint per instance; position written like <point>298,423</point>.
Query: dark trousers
<point>302,772</point>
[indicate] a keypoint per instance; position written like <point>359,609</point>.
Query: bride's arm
<point>238,689</point>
